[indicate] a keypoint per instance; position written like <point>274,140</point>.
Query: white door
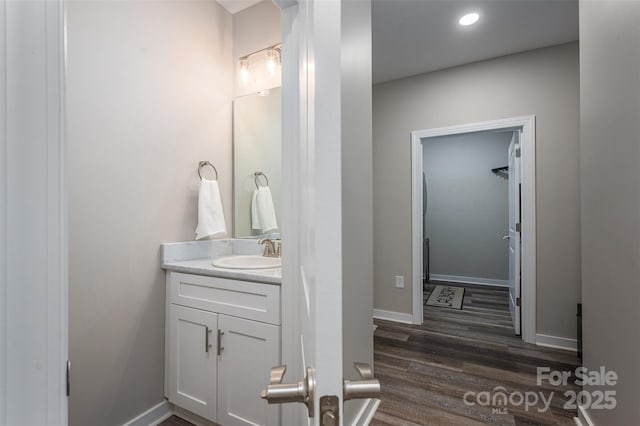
<point>316,203</point>
<point>193,360</point>
<point>514,234</point>
<point>312,209</point>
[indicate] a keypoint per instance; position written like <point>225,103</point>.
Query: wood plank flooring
<point>426,370</point>
<point>175,421</point>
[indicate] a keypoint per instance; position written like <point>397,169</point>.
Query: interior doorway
<point>479,253</point>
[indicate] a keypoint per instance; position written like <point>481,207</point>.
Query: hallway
<point>425,371</point>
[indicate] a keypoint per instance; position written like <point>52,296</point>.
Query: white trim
<point>3,213</point>
<point>366,413</point>
<point>290,328</point>
<point>557,342</point>
<point>393,316</point>
<point>417,233</point>
<point>528,164</point>
<point>33,158</point>
<point>584,419</point>
<point>57,216</point>
<point>469,280</point>
<point>152,416</point>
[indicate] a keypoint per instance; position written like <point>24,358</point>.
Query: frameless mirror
<point>256,150</point>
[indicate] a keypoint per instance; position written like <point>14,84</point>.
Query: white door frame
<point>290,330</point>
<point>528,212</point>
<point>33,214</point>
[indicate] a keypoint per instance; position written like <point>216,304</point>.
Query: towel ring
<point>207,163</point>
<point>256,175</point>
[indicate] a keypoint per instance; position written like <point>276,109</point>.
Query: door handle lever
<point>506,237</point>
<point>368,387</point>
<point>279,393</point>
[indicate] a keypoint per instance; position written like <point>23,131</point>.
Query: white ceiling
<point>234,6</point>
<point>416,36</point>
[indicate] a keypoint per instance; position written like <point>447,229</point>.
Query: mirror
<point>256,148</point>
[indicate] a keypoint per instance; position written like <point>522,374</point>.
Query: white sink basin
<point>248,262</point>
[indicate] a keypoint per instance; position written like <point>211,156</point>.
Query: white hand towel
<point>210,215</point>
<point>263,213</point>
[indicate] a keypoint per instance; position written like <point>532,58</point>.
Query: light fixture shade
<point>244,70</point>
<point>272,61</point>
<point>469,19</point>
<point>256,59</point>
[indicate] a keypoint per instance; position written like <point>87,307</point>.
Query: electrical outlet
<point>399,281</point>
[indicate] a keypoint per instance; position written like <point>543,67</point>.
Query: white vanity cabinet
<point>223,336</point>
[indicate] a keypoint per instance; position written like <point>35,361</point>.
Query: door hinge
<point>517,301</point>
<point>517,152</point>
<point>518,227</point>
<point>329,410</point>
<point>68,377</point>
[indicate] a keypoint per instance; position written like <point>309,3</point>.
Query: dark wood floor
<point>175,421</point>
<point>426,370</point>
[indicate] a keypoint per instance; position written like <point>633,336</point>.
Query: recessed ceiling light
<point>469,19</point>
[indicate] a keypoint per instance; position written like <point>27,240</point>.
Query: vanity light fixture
<point>469,19</point>
<point>272,54</point>
<point>244,70</point>
<point>273,58</point>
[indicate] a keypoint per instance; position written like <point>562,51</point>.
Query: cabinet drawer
<point>259,302</point>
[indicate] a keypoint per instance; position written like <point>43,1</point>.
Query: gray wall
<point>543,82</point>
<point>467,205</point>
<point>610,155</point>
<point>357,216</point>
<point>149,95</point>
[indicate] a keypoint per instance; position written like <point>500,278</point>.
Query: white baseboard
<point>365,415</point>
<point>583,418</point>
<point>152,416</point>
<point>393,316</point>
<point>469,280</point>
<point>557,342</point>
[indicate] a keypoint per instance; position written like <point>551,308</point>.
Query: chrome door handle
<point>368,387</point>
<point>279,393</point>
<point>506,237</point>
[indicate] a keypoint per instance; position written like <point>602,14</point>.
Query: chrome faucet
<point>269,248</point>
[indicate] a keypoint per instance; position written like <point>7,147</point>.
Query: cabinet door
<point>193,360</point>
<point>248,349</point>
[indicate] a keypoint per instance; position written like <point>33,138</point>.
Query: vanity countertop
<point>196,257</point>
